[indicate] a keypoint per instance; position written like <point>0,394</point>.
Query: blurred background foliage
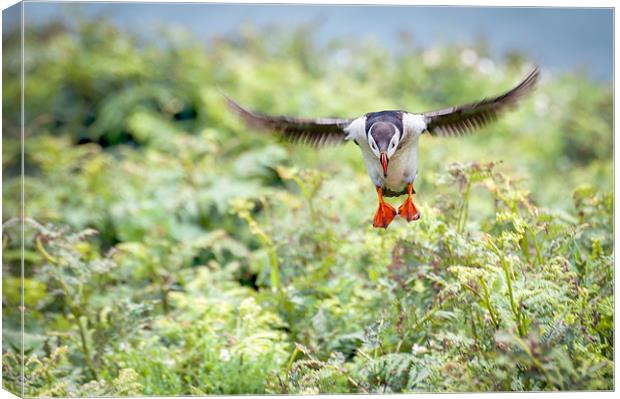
<point>170,250</point>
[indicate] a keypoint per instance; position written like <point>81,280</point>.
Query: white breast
<point>403,165</point>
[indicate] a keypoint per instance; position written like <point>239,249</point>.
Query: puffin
<point>388,140</point>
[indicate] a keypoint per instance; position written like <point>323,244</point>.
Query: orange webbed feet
<point>408,210</point>
<point>384,216</point>
<point>385,213</point>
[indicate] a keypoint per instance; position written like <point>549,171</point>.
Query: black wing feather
<point>463,119</point>
<point>315,132</point>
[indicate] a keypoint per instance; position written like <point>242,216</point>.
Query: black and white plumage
<point>315,132</point>
<point>389,139</point>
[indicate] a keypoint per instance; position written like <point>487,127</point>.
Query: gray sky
<point>556,38</point>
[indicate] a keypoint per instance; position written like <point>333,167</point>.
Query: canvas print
<point>224,199</point>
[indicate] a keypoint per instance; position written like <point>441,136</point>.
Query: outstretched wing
<point>315,132</point>
<point>463,119</point>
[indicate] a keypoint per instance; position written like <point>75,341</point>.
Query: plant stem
<point>536,247</point>
<point>164,299</point>
<point>487,303</point>
<point>516,310</point>
<point>73,308</point>
<point>43,251</point>
<point>276,283</point>
<point>85,349</point>
<point>474,330</point>
<point>525,247</point>
<point>308,195</point>
<point>464,212</point>
<point>292,359</point>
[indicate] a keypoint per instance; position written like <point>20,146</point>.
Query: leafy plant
<point>169,250</point>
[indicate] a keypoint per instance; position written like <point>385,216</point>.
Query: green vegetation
<point>170,250</point>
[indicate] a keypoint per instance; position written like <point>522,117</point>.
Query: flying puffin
<point>389,139</point>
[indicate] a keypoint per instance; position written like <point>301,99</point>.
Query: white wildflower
<point>418,350</point>
<point>541,104</point>
<point>469,57</point>
<point>486,66</point>
<point>431,58</point>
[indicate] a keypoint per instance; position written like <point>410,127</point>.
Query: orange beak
<point>384,162</point>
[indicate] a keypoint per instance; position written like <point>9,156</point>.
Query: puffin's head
<point>383,141</point>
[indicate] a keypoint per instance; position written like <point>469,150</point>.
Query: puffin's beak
<point>384,162</point>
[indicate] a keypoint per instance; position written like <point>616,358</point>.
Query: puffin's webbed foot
<point>385,213</point>
<point>408,210</point>
<point>384,216</point>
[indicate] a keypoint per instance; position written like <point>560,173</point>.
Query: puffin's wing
<point>463,119</point>
<point>315,132</point>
